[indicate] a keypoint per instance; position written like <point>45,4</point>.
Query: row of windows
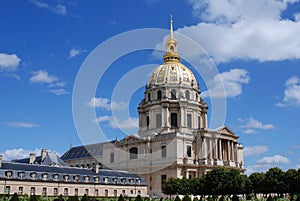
<point>65,191</point>
<point>174,121</point>
<point>33,175</point>
<point>173,95</point>
<point>134,152</point>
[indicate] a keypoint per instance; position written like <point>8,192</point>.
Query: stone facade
<point>173,138</point>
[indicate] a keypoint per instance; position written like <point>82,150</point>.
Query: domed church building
<point>173,139</point>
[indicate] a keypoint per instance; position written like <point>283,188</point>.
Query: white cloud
<point>252,125</point>
<point>74,52</point>
<point>106,104</point>
<point>297,17</point>
<point>291,93</point>
<point>273,160</point>
<point>9,62</point>
<point>255,150</point>
<point>18,124</point>
<point>117,123</point>
<point>59,91</point>
<point>231,81</point>
<point>245,30</point>
<point>42,77</point>
<point>59,8</point>
<point>20,153</point>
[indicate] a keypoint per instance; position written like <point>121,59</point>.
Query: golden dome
<point>172,71</point>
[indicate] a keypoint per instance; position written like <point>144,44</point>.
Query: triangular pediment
<point>130,139</point>
<point>225,130</point>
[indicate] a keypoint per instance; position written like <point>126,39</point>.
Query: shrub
<point>210,198</point>
<point>138,198</point>
<point>121,198</point>
<point>33,198</point>
<point>222,198</point>
<point>177,198</point>
<point>15,197</point>
<point>270,198</point>
<point>235,198</point>
<point>186,198</point>
<point>195,199</point>
<point>85,198</point>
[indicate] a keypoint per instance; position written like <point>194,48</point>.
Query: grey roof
<point>51,159</point>
<point>86,151</point>
<point>58,174</point>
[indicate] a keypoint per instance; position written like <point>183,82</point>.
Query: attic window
<point>21,175</point>
<point>33,175</point>
<point>96,179</point>
<point>55,176</point>
<point>115,180</point>
<point>8,174</point>
<point>76,178</point>
<point>105,179</point>
<point>45,176</point>
<point>66,177</point>
<point>86,178</point>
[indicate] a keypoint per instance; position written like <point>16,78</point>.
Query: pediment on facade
<point>226,131</point>
<point>129,139</point>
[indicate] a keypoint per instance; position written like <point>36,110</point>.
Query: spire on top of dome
<point>171,28</point>
<point>171,46</point>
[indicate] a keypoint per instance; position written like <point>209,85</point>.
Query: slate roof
<point>86,151</point>
<point>51,159</point>
<point>58,174</point>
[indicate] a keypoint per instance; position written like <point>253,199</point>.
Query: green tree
<point>138,198</point>
<point>186,198</point>
<point>33,198</point>
<point>274,181</point>
<point>85,198</point>
<point>15,197</point>
<point>257,182</point>
<point>177,198</point>
<point>121,198</point>
<point>292,182</point>
<point>171,186</point>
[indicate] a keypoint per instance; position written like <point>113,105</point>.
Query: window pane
<point>133,153</point>
<point>158,120</point>
<point>174,120</point>
<point>189,120</point>
<point>189,151</point>
<point>163,151</point>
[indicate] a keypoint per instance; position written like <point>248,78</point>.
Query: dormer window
<point>21,175</point>
<point>55,176</point>
<point>123,180</point>
<point>45,176</point>
<point>66,177</point>
<point>86,178</point>
<point>115,180</point>
<point>8,174</point>
<point>33,175</point>
<point>96,179</point>
<point>105,179</point>
<point>76,178</point>
<point>138,181</point>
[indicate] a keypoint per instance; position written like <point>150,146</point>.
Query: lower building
<point>48,175</point>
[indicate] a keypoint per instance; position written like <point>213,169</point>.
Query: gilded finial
<point>171,27</point>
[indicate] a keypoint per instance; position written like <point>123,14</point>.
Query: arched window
<point>147,121</point>
<point>196,96</point>
<point>159,94</point>
<point>173,94</point>
<point>133,153</point>
<point>187,95</point>
<point>171,49</point>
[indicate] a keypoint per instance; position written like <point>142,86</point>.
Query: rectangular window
<point>55,191</point>
<point>123,192</point>
<point>96,192</point>
<point>32,191</point>
<point>44,191</point>
<point>158,120</point>
<point>147,121</point>
<point>115,193</point>
<point>7,190</point>
<point>66,192</point>
<point>106,192</point>
<point>189,120</point>
<point>86,191</point>
<point>163,178</point>
<point>199,122</point>
<point>174,120</point>
<point>189,151</point>
<point>76,191</point>
<point>112,157</point>
<point>163,151</point>
<point>139,192</point>
<point>20,190</point>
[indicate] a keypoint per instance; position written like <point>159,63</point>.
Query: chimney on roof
<point>32,158</point>
<point>43,154</point>
<point>0,161</point>
<point>97,168</point>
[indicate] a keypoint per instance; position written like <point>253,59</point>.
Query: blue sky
<point>254,44</point>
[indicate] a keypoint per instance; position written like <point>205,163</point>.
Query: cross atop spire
<point>171,27</point>
<point>171,46</point>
